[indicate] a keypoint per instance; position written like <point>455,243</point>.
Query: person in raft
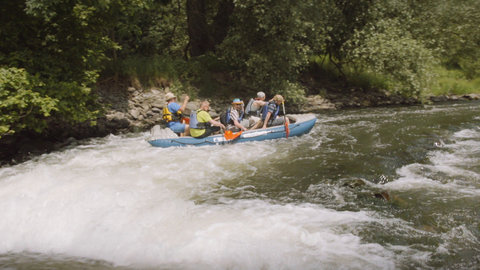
<point>270,112</point>
<point>233,117</point>
<point>172,114</point>
<point>253,110</point>
<point>201,123</point>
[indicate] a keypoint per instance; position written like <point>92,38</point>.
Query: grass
<point>362,79</point>
<point>452,81</point>
<point>448,81</point>
<point>149,70</point>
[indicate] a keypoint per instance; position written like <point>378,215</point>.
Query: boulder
<point>384,195</point>
<point>192,106</point>
<point>354,183</point>
<point>116,121</point>
<point>134,113</point>
<point>454,97</point>
<point>472,96</point>
<point>115,116</point>
<point>441,98</point>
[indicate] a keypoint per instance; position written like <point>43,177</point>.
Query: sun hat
<point>260,94</point>
<point>169,96</point>
<point>237,101</point>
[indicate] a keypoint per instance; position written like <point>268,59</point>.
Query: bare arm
<point>259,103</point>
<point>184,105</point>
<point>238,125</point>
<point>216,123</point>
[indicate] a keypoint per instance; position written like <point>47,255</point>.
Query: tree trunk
<point>204,37</point>
<point>200,39</point>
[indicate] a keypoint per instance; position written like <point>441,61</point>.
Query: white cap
<point>169,96</point>
<point>260,94</point>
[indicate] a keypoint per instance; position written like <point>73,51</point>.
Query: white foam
<point>453,167</point>
<point>468,133</point>
<point>120,200</point>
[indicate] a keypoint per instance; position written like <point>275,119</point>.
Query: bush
<point>293,93</point>
<point>389,51</point>
<point>21,107</point>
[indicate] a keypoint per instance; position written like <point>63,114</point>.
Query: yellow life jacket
<point>168,116</point>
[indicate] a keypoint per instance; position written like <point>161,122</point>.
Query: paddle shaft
<point>287,130</point>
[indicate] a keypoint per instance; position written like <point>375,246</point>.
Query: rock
<point>134,113</point>
<point>115,116</point>
<point>116,121</point>
<point>355,183</point>
<point>192,106</point>
<point>392,198</point>
<point>159,104</point>
<point>145,106</point>
<point>383,195</point>
<point>454,97</point>
<point>156,92</point>
<point>441,98</point>
<point>472,96</point>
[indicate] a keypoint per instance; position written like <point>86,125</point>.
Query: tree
<point>266,43</point>
<point>20,106</point>
<point>384,48</point>
<point>204,36</point>
<point>450,29</point>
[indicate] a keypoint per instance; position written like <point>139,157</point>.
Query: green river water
<point>376,188</point>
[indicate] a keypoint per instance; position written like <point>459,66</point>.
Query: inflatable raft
<point>303,123</point>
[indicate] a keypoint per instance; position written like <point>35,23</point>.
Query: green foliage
<point>386,49</point>
<point>75,102</point>
<point>265,42</point>
<point>148,69</point>
<point>227,46</point>
<point>20,106</point>
<point>354,77</point>
<point>451,81</point>
<point>294,93</point>
<point>450,29</point>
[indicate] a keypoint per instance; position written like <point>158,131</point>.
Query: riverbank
<point>138,109</point>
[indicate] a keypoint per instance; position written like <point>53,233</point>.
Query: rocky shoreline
<point>145,107</point>
<point>137,110</point>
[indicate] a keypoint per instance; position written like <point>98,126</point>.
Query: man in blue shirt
<point>172,114</point>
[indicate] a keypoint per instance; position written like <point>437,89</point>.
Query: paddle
<point>229,135</point>
<point>287,129</point>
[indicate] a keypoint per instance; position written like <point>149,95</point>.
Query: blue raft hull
<point>276,132</point>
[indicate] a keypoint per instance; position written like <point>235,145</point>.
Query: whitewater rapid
<point>118,199</point>
<point>279,204</point>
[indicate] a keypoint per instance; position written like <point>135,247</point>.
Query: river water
<point>378,188</point>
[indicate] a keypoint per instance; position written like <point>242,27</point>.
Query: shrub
<point>21,107</point>
<point>389,51</point>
